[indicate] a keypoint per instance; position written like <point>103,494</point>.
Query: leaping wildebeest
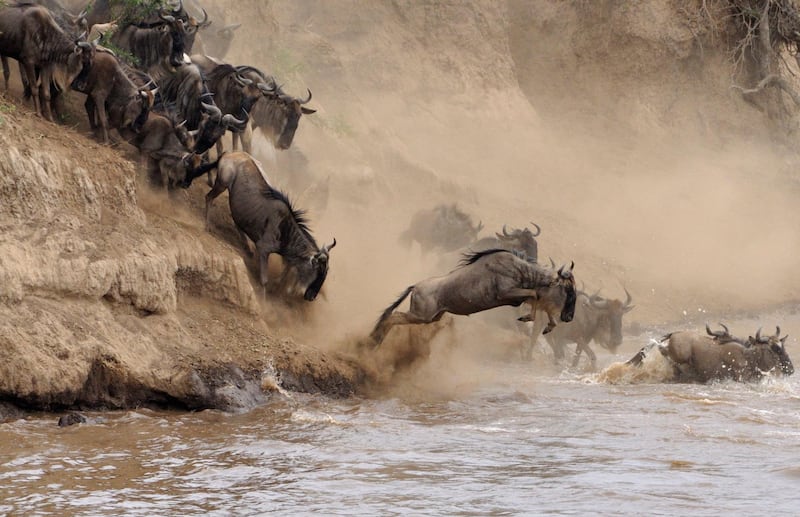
<point>484,280</point>
<point>702,358</point>
<point>265,216</point>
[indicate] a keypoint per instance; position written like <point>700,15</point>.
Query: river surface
<point>526,442</point>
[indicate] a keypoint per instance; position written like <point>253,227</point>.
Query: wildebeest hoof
<point>548,329</point>
<point>525,319</point>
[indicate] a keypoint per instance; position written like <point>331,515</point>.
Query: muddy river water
<point>530,441</point>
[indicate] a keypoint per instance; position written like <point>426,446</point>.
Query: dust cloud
<point>646,172</point>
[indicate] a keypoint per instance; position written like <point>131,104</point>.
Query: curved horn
<point>758,335</point>
<point>538,229</point>
<point>265,88</point>
<point>205,18</point>
<point>230,120</point>
<point>181,124</point>
<point>166,17</point>
<point>306,100</point>
<point>629,299</point>
<point>84,44</point>
<point>505,232</point>
<point>212,109</point>
<point>777,332</point>
<point>328,248</point>
<point>552,262</point>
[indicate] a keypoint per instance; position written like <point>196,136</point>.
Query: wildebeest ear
<point>307,111</point>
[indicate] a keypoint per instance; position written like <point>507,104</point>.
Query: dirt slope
<point>613,127</point>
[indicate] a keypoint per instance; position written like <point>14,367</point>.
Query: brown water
<point>532,440</point>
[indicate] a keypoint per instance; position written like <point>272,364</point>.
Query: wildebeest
<point>523,240</point>
<point>236,89</point>
<point>144,15</point>
<point>166,149</point>
<point>702,358</point>
<point>216,36</point>
<point>596,319</point>
<point>29,34</point>
<point>265,216</point>
<point>110,95</point>
<point>277,115</point>
<point>485,280</point>
<point>444,227</point>
<point>185,95</point>
<point>155,44</point>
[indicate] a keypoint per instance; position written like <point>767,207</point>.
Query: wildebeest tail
<point>199,171</point>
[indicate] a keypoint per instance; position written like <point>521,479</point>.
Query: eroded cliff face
<point>103,304</point>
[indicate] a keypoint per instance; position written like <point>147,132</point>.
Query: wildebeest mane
<point>471,257</point>
<point>300,216</point>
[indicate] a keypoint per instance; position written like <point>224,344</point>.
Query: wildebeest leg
<point>91,113</point>
<point>30,73</point>
<point>44,91</point>
<point>245,241</point>
<point>218,188</point>
<point>247,139</point>
<point>265,246</point>
<point>402,318</point>
<point>102,116</point>
<point>580,347</point>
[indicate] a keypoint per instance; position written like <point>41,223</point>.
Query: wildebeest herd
<point>136,64</point>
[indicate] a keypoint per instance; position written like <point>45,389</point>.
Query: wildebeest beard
<point>568,312</point>
<point>313,289</point>
<point>178,48</point>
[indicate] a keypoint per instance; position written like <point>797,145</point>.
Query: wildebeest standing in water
<point>597,319</point>
<point>484,280</point>
<point>265,216</point>
<point>444,227</point>
<point>701,358</point>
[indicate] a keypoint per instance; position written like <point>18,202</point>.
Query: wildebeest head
<point>191,26</point>
<point>175,45</point>
<point>771,352</point>
<point>524,240</point>
<point>609,319</point>
<point>566,282</point>
<point>278,115</point>
<point>212,126</point>
<point>312,272</point>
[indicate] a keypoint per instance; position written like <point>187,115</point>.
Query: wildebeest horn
<point>230,120</point>
<point>205,18</point>
<point>308,99</point>
<point>265,88</point>
<point>480,227</point>
<point>598,301</point>
<point>181,124</point>
<point>553,263</point>
<point>505,232</point>
<point>758,335</point>
<point>328,248</point>
<point>538,229</point>
<point>777,332</point>
<point>84,44</point>
<point>212,109</point>
<point>242,81</point>
<point>166,17</point>
<point>231,27</point>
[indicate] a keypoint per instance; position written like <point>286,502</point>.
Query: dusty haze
<point>608,126</point>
